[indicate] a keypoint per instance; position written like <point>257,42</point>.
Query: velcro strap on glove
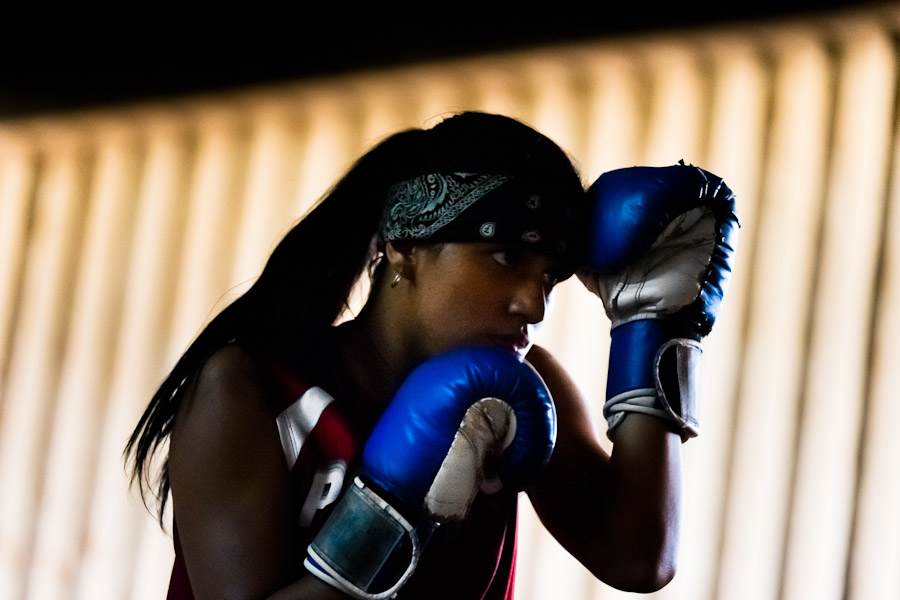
<point>659,377</point>
<point>366,548</point>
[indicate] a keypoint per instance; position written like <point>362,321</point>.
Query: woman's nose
<point>529,300</point>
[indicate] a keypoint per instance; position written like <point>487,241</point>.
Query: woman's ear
<point>401,258</point>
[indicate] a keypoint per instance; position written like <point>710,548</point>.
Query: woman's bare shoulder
<point>547,365</point>
<point>230,372</point>
<point>226,397</point>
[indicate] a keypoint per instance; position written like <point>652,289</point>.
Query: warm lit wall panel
<point>111,558</point>
<point>38,342</point>
<point>782,258</point>
<point>83,391</point>
<point>17,174</point>
<point>838,362</point>
<point>876,537</point>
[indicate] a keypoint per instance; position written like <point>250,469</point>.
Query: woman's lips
<point>514,342</point>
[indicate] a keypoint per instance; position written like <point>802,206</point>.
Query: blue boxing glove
<point>660,256</point>
<point>468,420</point>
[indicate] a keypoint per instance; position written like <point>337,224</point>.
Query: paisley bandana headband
<point>468,207</point>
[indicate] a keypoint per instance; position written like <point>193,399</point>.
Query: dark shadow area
<point>129,67</point>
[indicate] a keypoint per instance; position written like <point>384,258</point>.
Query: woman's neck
<point>371,363</point>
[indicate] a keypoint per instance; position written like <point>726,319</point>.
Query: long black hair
<point>306,282</point>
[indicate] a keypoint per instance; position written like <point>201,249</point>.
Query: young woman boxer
<point>310,459</point>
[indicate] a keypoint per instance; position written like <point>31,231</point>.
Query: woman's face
<point>479,294</point>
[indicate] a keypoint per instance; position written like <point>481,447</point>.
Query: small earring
<point>396,280</point>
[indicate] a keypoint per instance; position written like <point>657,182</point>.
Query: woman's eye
<point>507,258</point>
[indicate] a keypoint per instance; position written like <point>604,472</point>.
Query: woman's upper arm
<point>230,485</point>
<point>619,515</point>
